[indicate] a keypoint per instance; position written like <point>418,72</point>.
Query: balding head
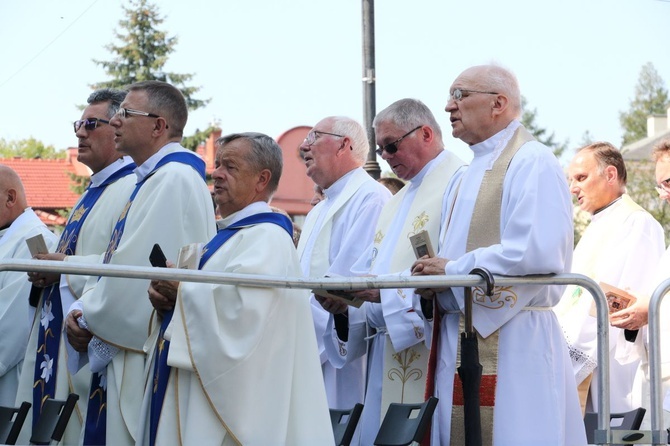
<point>12,196</point>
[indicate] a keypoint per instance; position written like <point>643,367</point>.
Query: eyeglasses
<point>663,186</point>
<point>314,135</point>
<point>460,93</point>
<point>89,124</point>
<point>124,112</point>
<point>392,148</point>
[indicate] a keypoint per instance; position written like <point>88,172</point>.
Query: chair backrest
<point>53,420</point>
<point>11,422</point>
<point>401,428</point>
<point>344,423</point>
<point>629,421</point>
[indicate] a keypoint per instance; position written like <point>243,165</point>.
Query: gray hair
<point>407,114</point>
<point>502,81</point>
<point>606,155</point>
<point>111,95</point>
<point>359,138</point>
<point>265,153</point>
<point>167,101</point>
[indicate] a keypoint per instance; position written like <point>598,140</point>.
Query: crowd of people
<point>158,362</point>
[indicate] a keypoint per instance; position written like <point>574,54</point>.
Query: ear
<point>264,178</point>
<point>500,105</point>
<point>11,198</point>
<point>426,133</point>
<point>161,126</point>
<point>611,174</point>
<point>346,145</point>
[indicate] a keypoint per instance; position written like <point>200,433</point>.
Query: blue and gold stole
<point>95,430</point>
<point>161,368</point>
<point>50,308</point>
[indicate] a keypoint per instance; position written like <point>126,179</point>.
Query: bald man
<point>18,222</point>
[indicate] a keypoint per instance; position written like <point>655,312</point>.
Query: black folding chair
<point>11,422</point>
<point>344,423</point>
<point>53,420</point>
<point>630,421</point>
<point>405,423</point>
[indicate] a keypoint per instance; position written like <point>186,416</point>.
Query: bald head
<point>12,196</point>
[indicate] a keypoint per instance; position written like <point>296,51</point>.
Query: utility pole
<point>369,99</point>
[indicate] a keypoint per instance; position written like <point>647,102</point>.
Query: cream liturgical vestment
<point>335,234</point>
<point>397,356</point>
<point>14,291</point>
<point>173,208</point>
<point>244,361</point>
<point>535,397</point>
<point>97,216</point>
<point>621,247</point>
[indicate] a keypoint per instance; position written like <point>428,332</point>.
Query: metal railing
<point>658,433</point>
<point>603,434</point>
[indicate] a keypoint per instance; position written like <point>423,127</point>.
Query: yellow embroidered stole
<point>485,231</point>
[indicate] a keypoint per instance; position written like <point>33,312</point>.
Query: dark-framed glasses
<point>459,93</point>
<point>663,186</point>
<point>124,112</point>
<point>88,123</point>
<point>313,135</point>
<point>392,148</point>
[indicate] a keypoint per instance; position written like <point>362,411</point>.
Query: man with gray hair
<point>336,233</point>
<point>242,365</point>
<point>410,140</point>
<point>86,233</point>
<point>511,214</point>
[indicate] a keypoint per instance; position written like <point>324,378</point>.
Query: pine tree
<point>651,97</point>
<point>143,52</point>
<point>528,120</point>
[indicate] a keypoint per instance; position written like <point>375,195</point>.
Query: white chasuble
<point>535,397</point>
<point>335,234</point>
<point>14,292</point>
<point>245,365</point>
<point>621,247</point>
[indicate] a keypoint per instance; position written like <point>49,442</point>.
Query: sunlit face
<point>471,115</point>
<point>663,177</point>
<point>405,163</point>
<point>96,148</point>
<point>133,133</point>
<point>588,185</point>
<point>235,180</point>
<point>321,155</point>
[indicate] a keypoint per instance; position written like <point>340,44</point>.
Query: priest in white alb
<point>86,233</point>
<point>18,222</point>
<point>509,213</point>
<point>170,205</point>
<point>238,365</point>
<point>621,247</point>
<point>336,233</point>
<point>410,140</point>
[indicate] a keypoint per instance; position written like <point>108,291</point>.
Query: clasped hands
<point>163,294</point>
<point>43,279</point>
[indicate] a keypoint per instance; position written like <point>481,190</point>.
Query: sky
<point>270,65</point>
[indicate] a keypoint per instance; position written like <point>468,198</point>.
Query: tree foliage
<point>143,52</point>
<point>651,97</point>
<point>528,119</point>
<point>28,148</point>
<point>641,187</point>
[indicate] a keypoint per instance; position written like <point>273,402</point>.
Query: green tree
<point>143,53</point>
<point>28,148</point>
<point>651,97</point>
<point>528,118</point>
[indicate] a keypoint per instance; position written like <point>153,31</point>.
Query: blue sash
<point>50,308</point>
<point>95,429</point>
<point>161,368</point>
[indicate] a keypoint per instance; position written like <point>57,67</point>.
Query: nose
<point>451,105</point>
<point>115,121</point>
<point>81,133</point>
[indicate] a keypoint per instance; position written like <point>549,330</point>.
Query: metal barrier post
<point>659,435</point>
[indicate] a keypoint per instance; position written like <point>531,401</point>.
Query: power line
<point>47,46</point>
